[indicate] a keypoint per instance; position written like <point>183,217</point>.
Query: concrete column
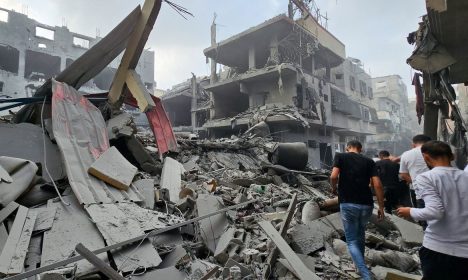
<point>194,101</point>
<point>274,51</point>
<point>63,63</point>
<point>22,63</point>
<point>213,76</point>
<point>252,58</point>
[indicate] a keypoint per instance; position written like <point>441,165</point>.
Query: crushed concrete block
<point>121,126</point>
<point>112,168</point>
<point>173,258</point>
<point>412,234</point>
<point>308,238</point>
<point>385,273</point>
<point>341,248</point>
<point>229,244</point>
<point>245,271</point>
<point>392,259</point>
<point>171,177</point>
<point>212,228</point>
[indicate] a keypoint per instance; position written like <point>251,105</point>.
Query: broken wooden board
<point>146,189</point>
<point>115,226</point>
<point>71,226</point>
<point>139,91</point>
<point>135,45</point>
<point>14,252</point>
<point>171,178</point>
<point>81,135</point>
<point>301,270</point>
<point>113,168</point>
<point>213,228</point>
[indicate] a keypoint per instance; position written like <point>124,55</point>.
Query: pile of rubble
<point>80,187</point>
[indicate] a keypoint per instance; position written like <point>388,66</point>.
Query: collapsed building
<point>283,72</point>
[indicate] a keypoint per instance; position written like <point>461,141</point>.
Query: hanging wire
<point>45,154</point>
<point>179,9</point>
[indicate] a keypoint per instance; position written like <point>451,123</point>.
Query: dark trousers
<point>438,266</point>
<point>393,197</point>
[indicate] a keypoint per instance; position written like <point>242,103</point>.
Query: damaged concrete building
<point>285,72</point>
<point>391,101</point>
<point>32,52</point>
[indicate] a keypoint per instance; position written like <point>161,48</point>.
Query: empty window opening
<point>104,79</point>
<point>3,16</point>
<point>179,110</point>
<point>230,103</point>
<point>352,83</point>
<point>42,46</point>
<point>325,97</point>
<point>1,86</point>
<point>81,42</point>
<point>9,59</point>
<point>40,66</point>
<point>45,33</point>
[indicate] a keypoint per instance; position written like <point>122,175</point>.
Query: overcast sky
<point>373,30</point>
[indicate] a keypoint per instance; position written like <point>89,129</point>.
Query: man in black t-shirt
<point>354,173</point>
<point>388,172</point>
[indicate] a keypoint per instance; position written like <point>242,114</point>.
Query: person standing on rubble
<point>444,254</point>
<point>352,173</point>
<point>411,165</point>
<point>388,172</point>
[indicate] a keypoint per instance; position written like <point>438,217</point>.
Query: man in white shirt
<point>444,254</point>
<point>411,165</point>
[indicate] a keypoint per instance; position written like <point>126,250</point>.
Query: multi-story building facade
<point>281,72</point>
<point>391,101</point>
<point>31,52</point>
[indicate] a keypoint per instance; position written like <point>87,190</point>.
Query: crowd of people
<point>421,185</point>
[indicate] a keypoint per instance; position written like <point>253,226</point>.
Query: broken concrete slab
<point>25,141</point>
<point>45,218</point>
<point>22,172</point>
<point>13,254</point>
<point>120,125</point>
<point>385,273</point>
<point>308,238</point>
<point>114,169</point>
<point>308,261</point>
<point>173,258</point>
<point>3,236</point>
<point>412,234</point>
<point>171,177</point>
<point>33,255</point>
<point>296,263</point>
<point>212,228</point>
<point>244,271</point>
<point>70,227</point>
<point>146,189</point>
<point>115,226</point>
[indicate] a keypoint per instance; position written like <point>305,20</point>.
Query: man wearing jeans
<point>353,173</point>
<point>444,254</point>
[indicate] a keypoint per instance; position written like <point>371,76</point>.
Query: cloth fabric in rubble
<point>21,174</point>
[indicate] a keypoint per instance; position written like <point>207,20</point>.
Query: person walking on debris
<point>353,172</point>
<point>388,171</point>
<point>444,254</point>
<point>411,165</point>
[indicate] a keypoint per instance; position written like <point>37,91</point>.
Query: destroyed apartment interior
<point>226,173</point>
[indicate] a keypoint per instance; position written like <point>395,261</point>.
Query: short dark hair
<point>354,144</point>
<point>384,153</point>
<point>421,139</point>
<point>437,149</point>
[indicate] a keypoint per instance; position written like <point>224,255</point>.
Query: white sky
<point>373,31</point>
